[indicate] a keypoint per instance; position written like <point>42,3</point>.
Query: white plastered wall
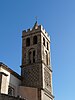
<point>14,82</point>
<point>5,81</point>
<point>11,80</point>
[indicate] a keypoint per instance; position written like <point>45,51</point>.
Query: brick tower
<point>36,66</point>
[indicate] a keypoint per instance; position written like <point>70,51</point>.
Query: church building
<point>35,81</point>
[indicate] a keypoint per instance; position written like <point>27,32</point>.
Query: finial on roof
<point>36,24</point>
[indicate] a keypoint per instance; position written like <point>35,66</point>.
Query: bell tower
<point>36,61</point>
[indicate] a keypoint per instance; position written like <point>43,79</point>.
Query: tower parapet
<point>36,29</point>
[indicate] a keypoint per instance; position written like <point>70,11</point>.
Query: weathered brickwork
<point>32,76</point>
<point>7,97</point>
<point>47,79</point>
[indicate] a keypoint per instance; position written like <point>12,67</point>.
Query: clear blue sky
<point>58,18</point>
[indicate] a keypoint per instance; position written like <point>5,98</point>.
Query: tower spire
<point>36,24</point>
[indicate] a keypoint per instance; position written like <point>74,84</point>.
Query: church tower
<point>36,69</point>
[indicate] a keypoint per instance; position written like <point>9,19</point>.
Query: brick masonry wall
<point>6,97</point>
<point>32,76</point>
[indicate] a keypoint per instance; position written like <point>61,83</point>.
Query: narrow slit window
<point>46,58</point>
<point>29,57</point>
<point>35,40</point>
<point>47,46</point>
<point>43,41</point>
<point>28,42</point>
<point>34,56</point>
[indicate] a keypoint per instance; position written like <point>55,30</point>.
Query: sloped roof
<point>10,70</point>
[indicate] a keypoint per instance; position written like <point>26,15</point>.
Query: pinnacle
<point>35,25</point>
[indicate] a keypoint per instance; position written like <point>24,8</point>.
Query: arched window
<point>35,40</point>
<point>47,46</point>
<point>43,41</point>
<point>30,57</point>
<point>11,91</point>
<point>28,42</point>
<point>46,57</point>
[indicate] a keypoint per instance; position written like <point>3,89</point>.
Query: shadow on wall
<point>7,97</point>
